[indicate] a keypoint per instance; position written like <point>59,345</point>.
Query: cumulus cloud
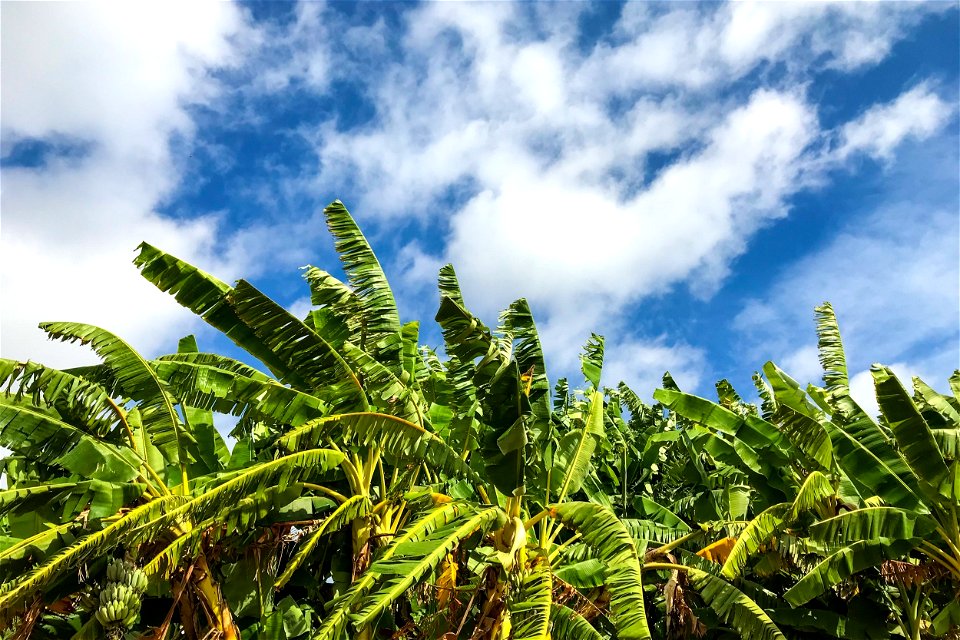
<point>114,82</point>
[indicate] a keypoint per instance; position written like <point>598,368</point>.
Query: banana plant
<point>909,482</point>
<point>108,460</point>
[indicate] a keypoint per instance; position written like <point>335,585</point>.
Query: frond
<point>46,439</point>
<point>383,386</point>
<point>464,335</point>
<point>730,399</point>
<point>20,498</point>
<point>591,360</point>
<point>410,356</point>
<point>637,408</point>
<point>335,622</point>
<point>768,403</point>
<point>412,561</point>
<point>218,362</point>
<point>911,431</point>
<point>844,563</point>
<point>137,380</point>
<point>609,538</point>
<point>660,514</point>
<point>37,544</point>
<point>320,365</point>
<point>584,573</point>
<point>576,448</point>
<point>734,607</point>
<point>530,609</point>
<point>365,275</point>
<point>872,523</point>
<point>219,500</point>
<point>808,436</point>
<point>567,624</point>
<point>506,411</point>
<point>752,430</point>
<point>210,387</point>
<point>207,297</point>
<point>652,531</point>
<point>756,534</point>
<point>517,321</point>
<point>815,491</point>
<point>830,346</point>
<point>394,435</point>
<point>101,498</point>
<point>354,507</point>
<point>85,404</point>
<point>339,316</point>
<point>871,462</point>
<point>15,594</point>
<point>449,285</point>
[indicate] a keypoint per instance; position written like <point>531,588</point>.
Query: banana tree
<point>107,460</point>
<point>908,475</point>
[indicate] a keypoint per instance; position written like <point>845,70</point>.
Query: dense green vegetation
<point>380,489</point>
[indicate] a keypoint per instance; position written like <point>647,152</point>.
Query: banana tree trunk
<point>209,592</point>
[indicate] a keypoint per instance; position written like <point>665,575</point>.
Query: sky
<point>687,179</point>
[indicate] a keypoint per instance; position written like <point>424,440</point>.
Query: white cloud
<point>641,364</point>
<point>596,177</point>
<point>115,78</point>
<point>916,114</point>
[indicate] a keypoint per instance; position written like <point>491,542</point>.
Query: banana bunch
<point>120,595</point>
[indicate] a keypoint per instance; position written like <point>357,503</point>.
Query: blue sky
<point>687,179</point>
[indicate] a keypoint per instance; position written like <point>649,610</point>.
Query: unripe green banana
<point>120,596</point>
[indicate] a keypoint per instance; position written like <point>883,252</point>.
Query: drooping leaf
<point>412,561</point>
<point>757,533</point>
<point>354,507</point>
<point>49,440</point>
<point>335,622</point>
<point>84,404</point>
<point>530,610</point>
<point>872,523</point>
<point>844,563</point>
<point>211,387</point>
<point>870,461</point>
<point>137,380</point>
<point>301,349</point>
<point>567,624</point>
<point>606,535</point>
<point>734,607</point>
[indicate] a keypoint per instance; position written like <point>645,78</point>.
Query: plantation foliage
<point>380,489</point>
